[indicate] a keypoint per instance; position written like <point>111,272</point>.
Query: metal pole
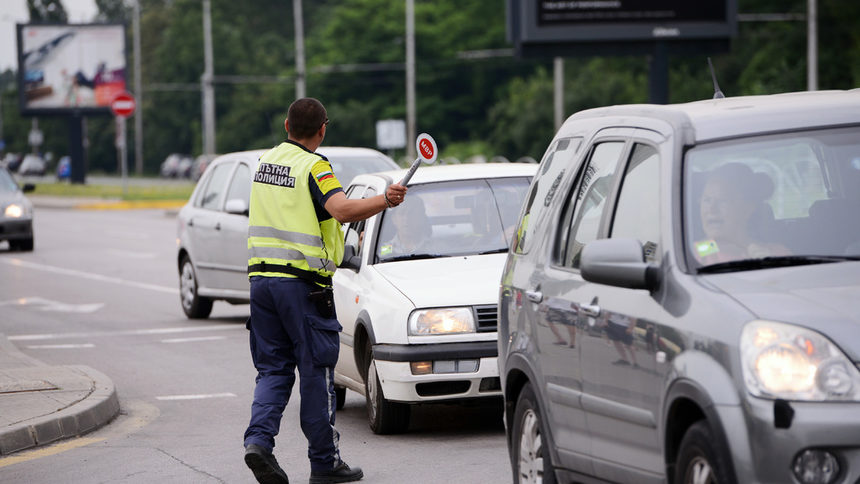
<point>812,47</point>
<point>410,79</point>
<point>138,87</point>
<point>558,78</point>
<point>300,48</point>
<point>206,80</point>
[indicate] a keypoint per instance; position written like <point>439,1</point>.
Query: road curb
<point>95,410</point>
<point>97,405</point>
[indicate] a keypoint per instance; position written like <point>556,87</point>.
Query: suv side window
<point>637,213</point>
<point>585,204</point>
<point>214,194</point>
<point>558,157</point>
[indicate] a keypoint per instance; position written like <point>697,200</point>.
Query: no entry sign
<point>123,105</point>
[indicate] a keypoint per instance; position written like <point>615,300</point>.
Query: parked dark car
<point>16,213</point>
<point>682,301</point>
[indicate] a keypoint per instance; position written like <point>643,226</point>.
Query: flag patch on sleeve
<point>325,175</point>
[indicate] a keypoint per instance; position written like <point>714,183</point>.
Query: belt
<point>293,271</point>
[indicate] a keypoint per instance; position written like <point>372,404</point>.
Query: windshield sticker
<point>705,248</point>
<point>386,249</point>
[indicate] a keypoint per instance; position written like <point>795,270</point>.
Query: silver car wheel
<point>372,391</point>
<point>700,472</point>
<point>531,456</point>
<point>187,286</point>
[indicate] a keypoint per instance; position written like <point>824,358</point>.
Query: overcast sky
<point>15,11</point>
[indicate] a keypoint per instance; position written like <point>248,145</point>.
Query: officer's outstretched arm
<point>352,210</point>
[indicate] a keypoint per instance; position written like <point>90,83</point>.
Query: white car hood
<point>447,281</point>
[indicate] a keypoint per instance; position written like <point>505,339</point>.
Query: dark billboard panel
<point>70,68</point>
<point>536,26</point>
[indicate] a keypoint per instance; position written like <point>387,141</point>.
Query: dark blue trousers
<point>287,332</point>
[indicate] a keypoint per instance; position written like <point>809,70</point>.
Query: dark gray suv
<point>682,300</point>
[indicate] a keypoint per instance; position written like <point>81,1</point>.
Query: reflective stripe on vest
<point>282,225</point>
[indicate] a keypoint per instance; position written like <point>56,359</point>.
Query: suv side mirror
<point>618,262</point>
<point>351,260</point>
<point>236,206</point>
<point>28,187</point>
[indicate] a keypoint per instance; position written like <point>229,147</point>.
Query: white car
<point>418,288</point>
<point>212,228</point>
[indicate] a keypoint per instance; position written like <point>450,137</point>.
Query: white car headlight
<point>794,363</point>
<point>423,322</point>
<point>14,210</point>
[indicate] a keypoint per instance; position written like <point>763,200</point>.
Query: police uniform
<point>294,246</point>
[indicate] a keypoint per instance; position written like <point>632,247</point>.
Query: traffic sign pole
<point>123,106</point>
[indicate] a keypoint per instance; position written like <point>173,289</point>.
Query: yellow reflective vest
<point>283,229</point>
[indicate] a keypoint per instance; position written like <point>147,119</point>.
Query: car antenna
<point>717,93</point>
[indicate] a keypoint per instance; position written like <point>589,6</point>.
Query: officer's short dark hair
<point>305,117</point>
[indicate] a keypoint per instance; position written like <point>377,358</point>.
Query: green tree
<point>47,11</point>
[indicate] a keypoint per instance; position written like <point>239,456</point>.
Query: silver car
<point>212,228</point>
<point>16,212</point>
<point>682,301</point>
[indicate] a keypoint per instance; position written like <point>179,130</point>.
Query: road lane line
<point>47,451</point>
<point>60,347</point>
<point>192,340</point>
<point>196,397</point>
<point>88,275</point>
<point>131,332</point>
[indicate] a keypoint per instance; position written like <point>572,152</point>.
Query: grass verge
<point>115,192</point>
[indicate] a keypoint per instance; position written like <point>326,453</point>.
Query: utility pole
<point>300,48</point>
<point>208,89</point>
<point>410,79</point>
<point>138,87</point>
<point>812,46</point>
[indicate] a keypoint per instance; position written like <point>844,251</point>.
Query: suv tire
<point>385,417</point>
<point>194,306</point>
<point>701,459</point>
<point>532,462</point>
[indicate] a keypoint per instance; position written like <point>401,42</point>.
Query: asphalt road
<point>100,290</point>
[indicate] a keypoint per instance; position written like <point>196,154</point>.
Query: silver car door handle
<point>534,296</point>
<point>592,310</point>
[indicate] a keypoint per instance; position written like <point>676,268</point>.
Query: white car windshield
<point>455,218</point>
<point>791,197</point>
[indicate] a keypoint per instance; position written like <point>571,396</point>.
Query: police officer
<point>295,243</point>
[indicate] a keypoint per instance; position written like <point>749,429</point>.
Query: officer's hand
<point>395,193</point>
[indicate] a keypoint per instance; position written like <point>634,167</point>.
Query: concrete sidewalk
<point>40,404</point>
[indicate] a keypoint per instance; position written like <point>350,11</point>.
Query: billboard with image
<point>65,68</point>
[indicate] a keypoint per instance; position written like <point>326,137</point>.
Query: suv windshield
<point>773,200</point>
<point>462,217</point>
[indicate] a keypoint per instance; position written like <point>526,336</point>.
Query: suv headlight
<point>14,210</point>
<point>793,363</point>
<point>424,322</point>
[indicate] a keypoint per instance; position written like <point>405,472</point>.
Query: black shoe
<point>341,473</point>
<point>264,466</point>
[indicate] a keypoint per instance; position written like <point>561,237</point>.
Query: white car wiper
<point>768,262</point>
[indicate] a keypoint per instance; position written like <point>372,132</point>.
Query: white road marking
<point>60,347</point>
<point>192,340</point>
<point>196,397</point>
<point>89,275</point>
<point>131,332</point>
<point>50,305</point>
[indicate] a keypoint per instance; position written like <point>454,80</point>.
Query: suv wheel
<point>384,417</point>
<point>532,461</point>
<point>194,306</point>
<point>701,460</point>
<point>24,245</point>
<point>340,396</point>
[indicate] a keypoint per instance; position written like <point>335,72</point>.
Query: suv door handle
<point>218,226</point>
<point>534,296</point>
<point>592,310</point>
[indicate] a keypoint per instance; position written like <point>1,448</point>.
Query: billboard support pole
<point>658,74</point>
<point>76,148</point>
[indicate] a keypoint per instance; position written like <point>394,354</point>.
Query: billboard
<point>70,67</point>
<point>580,26</point>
